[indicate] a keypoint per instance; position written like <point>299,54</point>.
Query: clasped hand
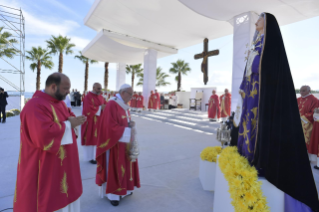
<point>76,121</point>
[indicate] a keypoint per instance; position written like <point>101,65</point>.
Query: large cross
<point>205,56</point>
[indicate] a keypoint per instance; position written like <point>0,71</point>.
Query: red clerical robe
<point>214,109</point>
<point>306,107</point>
<point>133,101</point>
<point>225,104</point>
<point>139,101</point>
<point>89,130</point>
<point>122,174</point>
<point>151,101</point>
<point>313,147</point>
<point>157,100</point>
<point>48,173</point>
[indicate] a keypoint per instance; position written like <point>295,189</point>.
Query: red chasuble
<point>89,130</point>
<point>213,107</point>
<point>306,107</point>
<point>122,174</point>
<point>157,101</point>
<point>313,147</point>
<point>48,174</point>
<point>139,101</point>
<point>225,104</point>
<point>151,101</point>
<point>133,101</point>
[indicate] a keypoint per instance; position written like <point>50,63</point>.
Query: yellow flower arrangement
<point>244,187</point>
<point>210,153</point>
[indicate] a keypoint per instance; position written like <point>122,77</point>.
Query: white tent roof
<point>172,24</point>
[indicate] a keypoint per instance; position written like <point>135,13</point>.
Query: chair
<point>197,101</point>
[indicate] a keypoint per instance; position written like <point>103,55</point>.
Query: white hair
<point>124,87</point>
<point>306,86</point>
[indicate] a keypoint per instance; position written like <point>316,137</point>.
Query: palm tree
<point>134,69</point>
<point>62,46</point>
<point>179,68</point>
<point>39,57</point>
<point>160,78</point>
<point>86,61</point>
<point>106,76</point>
<point>6,45</point>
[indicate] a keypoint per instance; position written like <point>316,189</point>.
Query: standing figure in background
<point>162,101</point>
<point>151,101</point>
<point>76,97</point>
<point>3,104</point>
<point>225,104</point>
<point>139,102</point>
<point>72,98</point>
<point>93,105</point>
<point>157,100</point>
<point>172,102</point>
<point>117,175</point>
<point>307,104</point>
<point>214,109</point>
<point>133,102</point>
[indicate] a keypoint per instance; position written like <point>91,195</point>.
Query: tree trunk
<point>60,62</point>
<point>86,76</point>
<point>133,80</point>
<point>38,75</point>
<point>179,81</point>
<point>106,76</point>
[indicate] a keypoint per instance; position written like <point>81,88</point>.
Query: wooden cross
<point>205,56</point>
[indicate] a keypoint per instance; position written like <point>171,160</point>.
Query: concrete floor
<point>168,164</point>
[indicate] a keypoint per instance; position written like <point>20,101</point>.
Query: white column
<point>244,29</point>
<point>21,102</point>
<point>120,75</point>
<point>149,81</point>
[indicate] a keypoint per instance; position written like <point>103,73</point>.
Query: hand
<point>131,124</point>
<point>103,106</point>
<point>76,121</point>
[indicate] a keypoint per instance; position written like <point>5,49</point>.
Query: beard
<point>59,96</point>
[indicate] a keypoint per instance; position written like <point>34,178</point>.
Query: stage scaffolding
<point>12,21</point>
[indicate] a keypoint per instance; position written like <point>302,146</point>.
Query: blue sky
<point>53,17</point>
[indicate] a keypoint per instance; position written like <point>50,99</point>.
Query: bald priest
<point>48,172</point>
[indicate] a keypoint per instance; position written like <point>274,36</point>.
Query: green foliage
<point>12,112</point>
<point>180,68</point>
<point>7,48</point>
<point>160,78</point>
<point>41,55</point>
<point>134,69</point>
<point>60,44</point>
<point>85,59</point>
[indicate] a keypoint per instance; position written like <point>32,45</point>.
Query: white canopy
<point>172,25</point>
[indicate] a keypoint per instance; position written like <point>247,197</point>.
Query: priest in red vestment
<point>133,102</point>
<point>48,172</point>
<point>151,101</point>
<point>93,105</point>
<point>213,107</point>
<point>307,104</point>
<point>139,102</point>
<point>313,147</point>
<point>157,100</point>
<point>225,104</point>
<point>116,174</point>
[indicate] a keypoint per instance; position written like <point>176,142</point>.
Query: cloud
<point>80,43</point>
<point>63,7</point>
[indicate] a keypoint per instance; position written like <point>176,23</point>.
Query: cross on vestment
<point>205,56</point>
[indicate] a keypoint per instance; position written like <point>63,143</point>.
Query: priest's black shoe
<point>114,202</point>
<point>93,161</point>
<point>316,167</point>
